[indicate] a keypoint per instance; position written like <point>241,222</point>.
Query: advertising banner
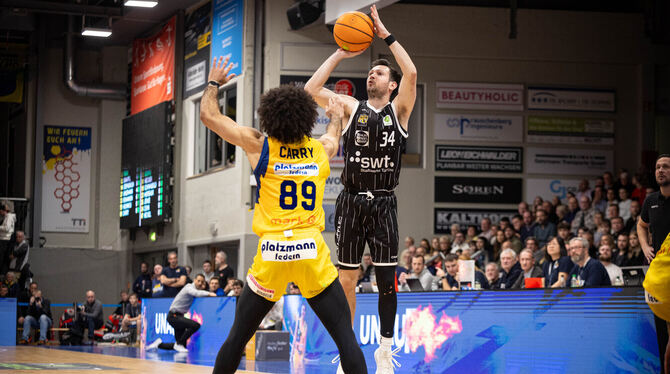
<point>333,184</point>
<point>486,159</point>
<point>228,32</point>
<point>571,99</point>
<point>489,127</point>
<point>485,332</point>
<point>66,179</point>
<point>547,188</point>
<point>214,314</point>
<point>489,96</point>
<point>197,39</point>
<point>570,130</point>
<point>477,190</point>
<point>329,212</point>
<point>568,161</point>
<point>8,316</point>
<point>153,69</point>
<point>445,217</point>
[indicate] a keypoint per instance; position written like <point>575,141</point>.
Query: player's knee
<point>348,278</point>
<point>385,276</point>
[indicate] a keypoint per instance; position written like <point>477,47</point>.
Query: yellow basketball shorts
<point>299,256</point>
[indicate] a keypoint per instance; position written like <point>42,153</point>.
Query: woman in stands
<point>557,265</point>
<point>634,255</point>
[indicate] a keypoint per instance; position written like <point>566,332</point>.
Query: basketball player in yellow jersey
<point>291,169</point>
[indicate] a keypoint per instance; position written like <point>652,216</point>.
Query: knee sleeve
<point>388,299</point>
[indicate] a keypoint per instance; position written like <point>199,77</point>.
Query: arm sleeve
<point>194,291</point>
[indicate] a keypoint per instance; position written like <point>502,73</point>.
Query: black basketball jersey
<point>373,143</point>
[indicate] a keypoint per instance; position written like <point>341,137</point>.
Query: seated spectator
<point>589,272</point>
<point>12,284</point>
<point>585,216</point>
<point>624,203</point>
<point>561,212</point>
<point>471,233</point>
<point>24,297</point>
<point>631,223</point>
<point>189,269</point>
<point>435,244</point>
<point>402,266</point>
<point>215,287</point>
<point>115,318</point>
<point>454,229</point>
<point>39,315</point>
<point>293,289</point>
<point>511,270</point>
<point>612,211</point>
<point>492,275</point>
<point>236,288</point>
<point>222,269</point>
<point>558,265</point>
<point>583,190</point>
<point>634,255</point>
<point>459,243</point>
<point>156,285</point>
<point>543,228</point>
<point>4,290</point>
<point>207,270</point>
<point>522,207</point>
<point>639,192</point>
<point>451,281</point>
<point>618,227</point>
<point>498,241</point>
<point>425,244</point>
<point>485,226</point>
<point>613,271</point>
<point>534,246</point>
<point>549,209</point>
<point>563,230</point>
<point>445,245</point>
<point>408,241</point>
<point>368,268</point>
<point>597,233</point>
<point>133,315</point>
<point>573,208</point>
<point>483,251</point>
<point>90,316</point>
<point>512,237</point>
<point>18,259</point>
<point>599,203</point>
<point>621,249</point>
<point>504,223</point>
<point>173,278</point>
<point>588,235</point>
<point>528,267</point>
<point>610,196</point>
<point>419,271</point>
<point>142,285</point>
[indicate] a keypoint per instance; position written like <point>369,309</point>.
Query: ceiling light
<point>141,3</point>
<point>97,32</point>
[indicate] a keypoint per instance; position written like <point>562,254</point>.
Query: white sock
<point>385,342</point>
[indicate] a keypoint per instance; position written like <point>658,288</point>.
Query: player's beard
<point>375,92</point>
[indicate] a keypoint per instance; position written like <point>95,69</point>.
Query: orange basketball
<point>353,31</point>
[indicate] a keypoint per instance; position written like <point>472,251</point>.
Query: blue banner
<point>8,318</point>
<point>214,314</point>
<point>529,331</point>
<point>228,32</point>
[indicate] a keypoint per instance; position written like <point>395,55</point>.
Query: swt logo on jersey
<point>310,169</point>
<point>372,164</point>
<point>284,251</point>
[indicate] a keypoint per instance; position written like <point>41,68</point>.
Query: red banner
<point>153,69</point>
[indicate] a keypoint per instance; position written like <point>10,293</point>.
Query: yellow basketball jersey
<point>291,180</point>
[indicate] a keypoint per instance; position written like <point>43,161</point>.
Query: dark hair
<point>617,218</point>
<point>200,275</point>
<point>504,219</point>
<point>287,113</point>
<point>421,257</point>
<point>395,75</point>
<point>562,250</point>
<point>563,225</point>
<point>662,155</point>
<point>207,262</point>
<point>238,282</point>
<point>518,216</point>
<point>215,277</point>
<point>451,257</point>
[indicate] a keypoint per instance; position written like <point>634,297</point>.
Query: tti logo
<point>78,221</point>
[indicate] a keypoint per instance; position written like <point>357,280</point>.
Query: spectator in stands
<point>445,245</point>
<point>454,229</point>
<point>561,212</point>
<point>90,316</point>
<point>528,267</point>
<point>471,233</point>
<point>589,272</point>
<point>585,216</point>
<point>612,209</point>
<point>435,244</point>
<point>425,244</point>
<point>408,241</point>
<point>593,249</point>
<point>156,285</point>
<point>223,271</point>
<point>557,264</point>
<point>573,208</point>
<point>18,258</point>
<point>528,226</point>
<point>12,284</point>
<point>639,192</point>
<point>599,203</point>
<point>624,204</point>
<point>608,180</point>
<point>173,277</point>
<point>24,297</point>
<point>403,263</point>
<point>450,279</point>
<point>189,269</point>
<point>605,228</point>
<point>549,209</point>
<point>293,289</point>
<point>7,222</point>
<point>38,315</point>
<point>621,248</point>
<point>236,288</point>
<point>634,255</point>
<point>485,226</point>
<point>511,270</point>
<point>459,243</point>
<point>563,230</point>
<point>624,182</point>
<point>498,241</point>
<point>517,223</point>
<point>419,271</point>
<point>583,190</point>
<point>207,270</point>
<point>486,251</point>
<point>142,285</point>
<point>522,207</point>
<point>120,311</point>
<point>215,286</point>
<point>618,226</point>
<point>4,290</point>
<point>543,228</point>
<point>613,271</point>
<point>537,203</point>
<point>492,274</point>
<point>532,244</point>
<point>133,315</point>
<point>635,209</point>
<point>512,237</point>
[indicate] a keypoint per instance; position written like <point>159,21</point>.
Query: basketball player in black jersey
<point>366,211</point>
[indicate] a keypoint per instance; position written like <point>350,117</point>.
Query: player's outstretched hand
<point>220,69</point>
<point>347,54</point>
<point>380,29</point>
<point>335,108</point>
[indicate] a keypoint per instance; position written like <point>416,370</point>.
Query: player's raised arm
<point>250,139</point>
<point>315,84</point>
<point>331,139</point>
<point>404,102</point>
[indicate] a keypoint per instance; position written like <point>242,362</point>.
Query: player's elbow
<point>312,88</point>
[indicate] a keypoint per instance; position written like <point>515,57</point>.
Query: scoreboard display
<point>146,167</point>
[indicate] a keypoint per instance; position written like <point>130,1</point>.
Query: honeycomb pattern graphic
<point>68,180</point>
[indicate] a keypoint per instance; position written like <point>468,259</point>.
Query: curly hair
<point>287,113</point>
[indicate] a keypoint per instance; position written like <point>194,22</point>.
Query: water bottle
<point>618,281</point>
<point>574,283</point>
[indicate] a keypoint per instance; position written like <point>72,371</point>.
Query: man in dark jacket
<point>18,259</point>
<point>39,315</point>
<point>90,315</point>
<point>511,270</point>
<point>142,285</point>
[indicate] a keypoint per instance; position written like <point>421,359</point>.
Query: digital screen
<point>146,167</point>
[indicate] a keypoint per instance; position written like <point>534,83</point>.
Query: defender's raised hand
<point>220,69</point>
